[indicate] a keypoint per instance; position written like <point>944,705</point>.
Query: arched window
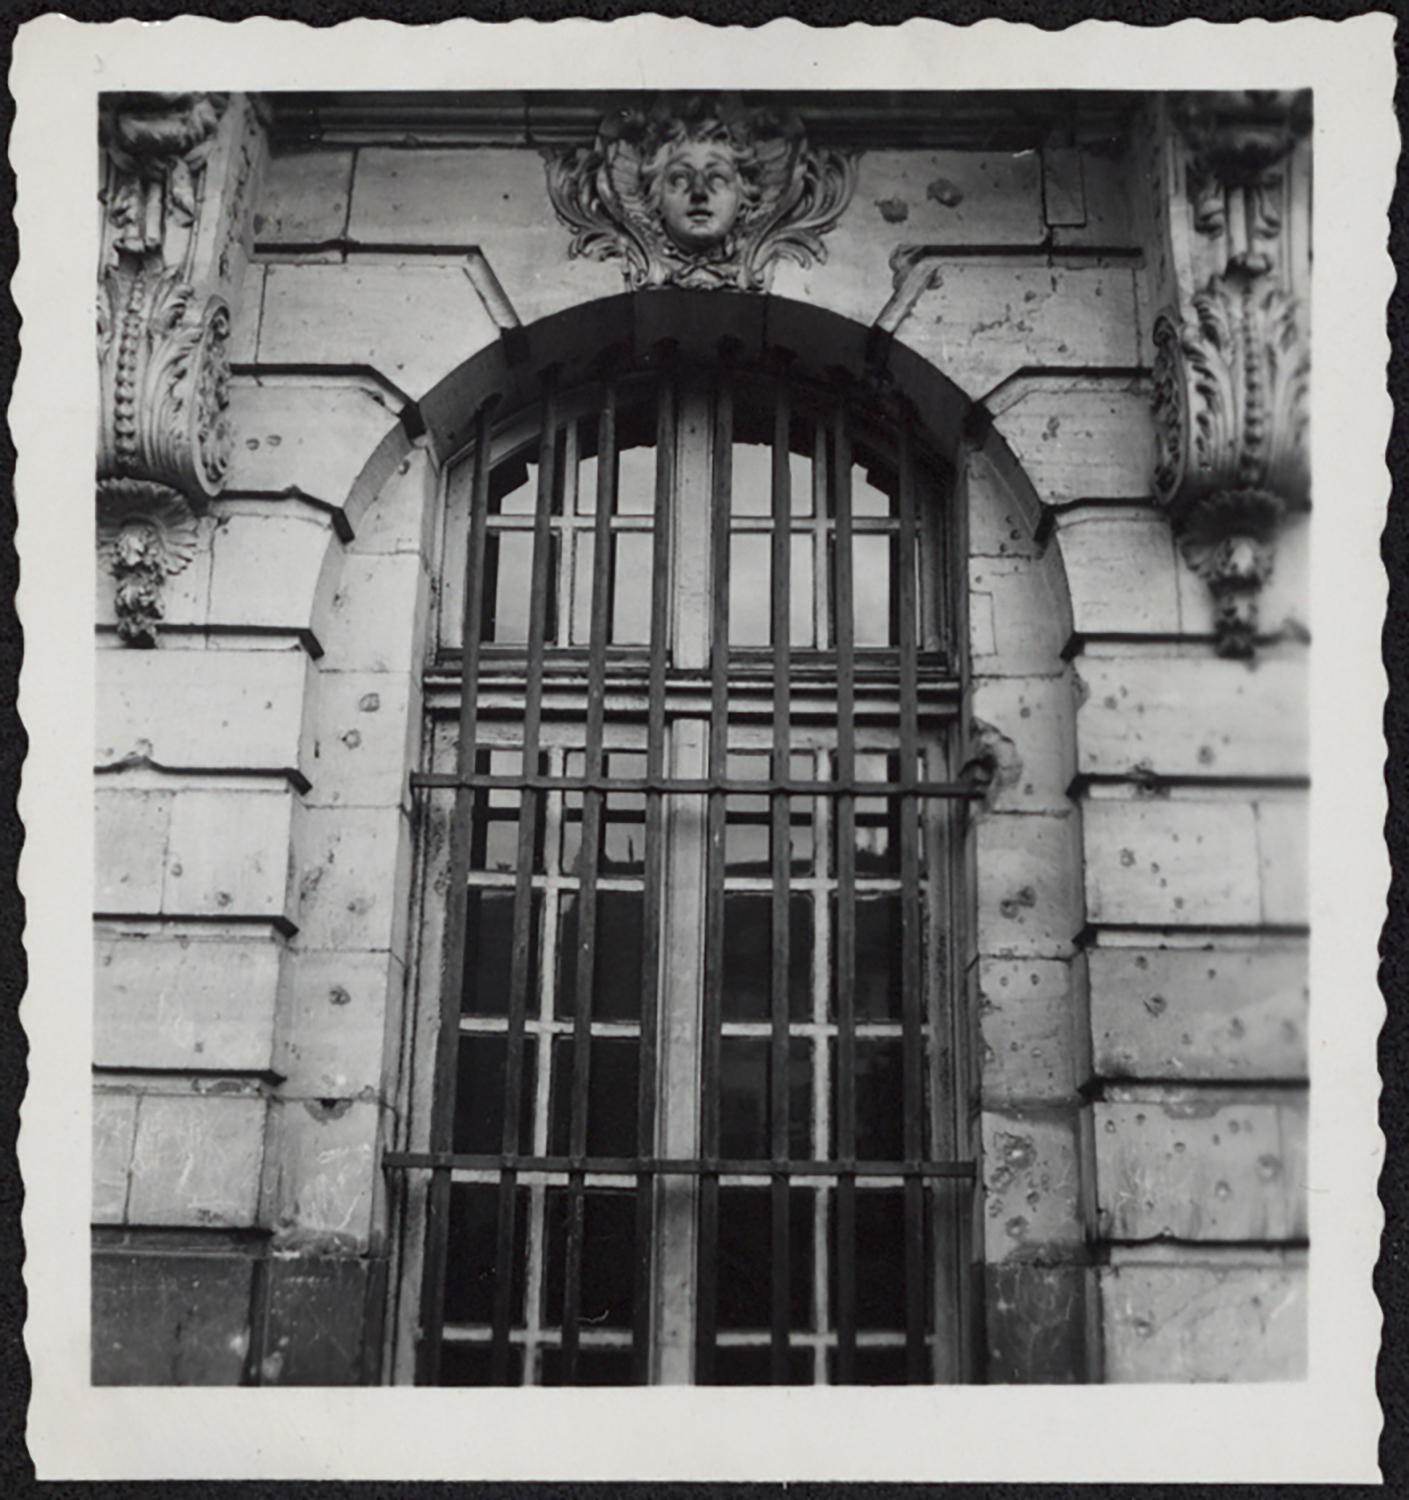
<point>698,1109</point>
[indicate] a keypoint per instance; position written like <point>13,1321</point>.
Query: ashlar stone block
<point>304,198</point>
<point>1027,621</point>
<point>1160,862</point>
<point>1079,439</point>
<point>1120,570</point>
<point>267,559</point>
<point>206,709</point>
<point>1027,1029</point>
<point>314,436</point>
<point>982,321</point>
<point>1172,1323</point>
<point>1031,1174</point>
<point>391,318</point>
<point>1195,1169</point>
<point>371,613</point>
<point>131,830</point>
<point>114,1129</point>
<point>353,874</point>
<point>1183,716</point>
<point>321,1187</point>
<point>197,1158</point>
<point>1027,725</point>
<point>228,851</point>
<point>1029,891</point>
<point>367,727</point>
<point>189,999</point>
<point>1282,834</point>
<point>1191,1013</point>
<point>339,1028</point>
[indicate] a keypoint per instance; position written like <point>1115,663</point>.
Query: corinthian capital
<point>1231,357</point>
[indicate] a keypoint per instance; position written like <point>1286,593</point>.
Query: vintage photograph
<point>725,751</point>
<point>702,738</point>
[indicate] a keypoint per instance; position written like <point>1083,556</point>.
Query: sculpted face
<point>700,194</point>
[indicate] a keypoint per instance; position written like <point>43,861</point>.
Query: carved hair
<point>698,120</point>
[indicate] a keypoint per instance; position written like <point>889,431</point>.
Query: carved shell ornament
<point>704,192</point>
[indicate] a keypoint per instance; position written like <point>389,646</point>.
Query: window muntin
<point>806,1122</point>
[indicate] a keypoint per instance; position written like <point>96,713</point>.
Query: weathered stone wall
<point>1136,960</point>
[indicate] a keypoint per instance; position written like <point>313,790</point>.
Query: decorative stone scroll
<point>701,192</point>
<point>1232,362</point>
<point>176,175</point>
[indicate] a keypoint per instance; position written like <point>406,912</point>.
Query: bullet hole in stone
<point>1236,1029</point>
<point>1221,1189</point>
<point>1143,1328</point>
<point>273,440</point>
<point>1034,979</point>
<point>339,996</point>
<point>352,739</point>
<point>1179,903</point>
<point>1012,905</point>
<point>405,467</point>
<point>1205,755</point>
<point>1024,713</point>
<point>1142,962</point>
<point>1233,1127</point>
<point>1186,1040</point>
<point>223,898</point>
<point>1016,1227</point>
<point>252,444</point>
<point>1127,858</point>
<point>1217,1140</point>
<point>369,703</point>
<point>198,1047</point>
<point>1110,702</point>
<point>1156,1005</point>
<point>1179,1148</point>
<point>948,193</point>
<point>893,210</point>
<point>1110,1127</point>
<point>177,871</point>
<point>1269,1169</point>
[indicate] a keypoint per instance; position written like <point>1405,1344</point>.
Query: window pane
<point>744,1124</point>
<point>636,482</point>
<point>479,1094</point>
<point>880,1257</point>
<point>752,493</point>
<point>748,956</point>
<point>473,1364</point>
<point>872,491</point>
<point>513,487</point>
<point>611,1097</point>
<point>874,569</point>
<point>631,588</point>
<point>508,571</point>
<point>745,1258</point>
<point>587,484</point>
<point>880,1099</point>
<point>594,1367</point>
<point>470,1262</point>
<point>753,1364</point>
<point>624,824</point>
<point>585,551</point>
<point>884,1366</point>
<point>616,957</point>
<point>489,951</point>
<point>800,601</point>
<point>608,1259</point>
<point>750,588</point>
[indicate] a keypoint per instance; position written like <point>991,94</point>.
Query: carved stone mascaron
<point>701,192</point>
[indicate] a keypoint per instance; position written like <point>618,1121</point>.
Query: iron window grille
<point>698,1109</point>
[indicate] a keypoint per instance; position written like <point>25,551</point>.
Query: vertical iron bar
<point>910,972</point>
<point>721,457</point>
<point>523,883</point>
<point>587,884</point>
<point>452,995</point>
<point>654,870</point>
<point>781,859</point>
<point>845,623</point>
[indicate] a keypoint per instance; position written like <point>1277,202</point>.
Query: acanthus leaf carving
<point>163,329</point>
<point>702,192</point>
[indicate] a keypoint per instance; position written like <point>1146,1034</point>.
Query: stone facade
<point>1097,307</point>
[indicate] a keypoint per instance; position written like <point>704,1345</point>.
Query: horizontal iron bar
<point>628,1166</point>
<point>435,781</point>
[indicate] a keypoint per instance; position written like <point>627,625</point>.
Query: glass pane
<point>608,1259</point>
<point>584,552</point>
<point>611,1097</point>
<point>624,824</point>
<point>878,953</point>
<point>508,572</point>
<point>880,1257</point>
<point>750,588</point>
<point>744,1124</point>
<point>874,570</point>
<point>636,482</point>
<point>751,1364</point>
<point>746,818</point>
<point>470,1260</point>
<point>513,486</point>
<point>587,485</point>
<point>748,956</point>
<point>494,819</point>
<point>594,1367</point>
<point>479,1094</point>
<point>800,468</point>
<point>884,1366</point>
<point>880,1099</point>
<point>871,492</point>
<point>473,1364</point>
<point>800,601</point>
<point>489,951</point>
<point>752,493</point>
<point>745,1258</point>
<point>631,588</point>
<point>877,818</point>
<point>616,957</point>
